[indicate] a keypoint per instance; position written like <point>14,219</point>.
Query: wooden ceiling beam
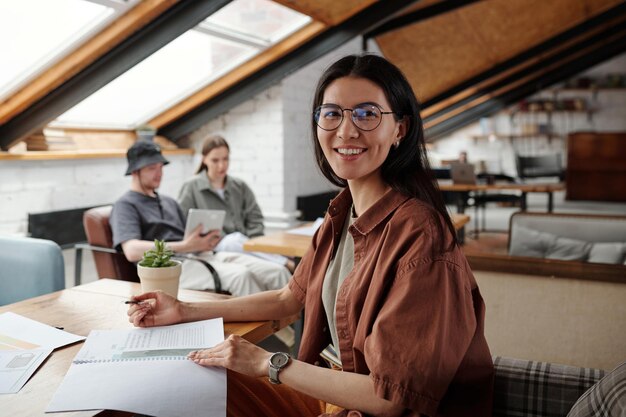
<point>417,16</point>
<point>538,50</point>
<point>583,56</point>
<point>238,74</point>
<point>508,73</point>
<point>277,69</point>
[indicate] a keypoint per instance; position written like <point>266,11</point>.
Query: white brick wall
<point>40,186</point>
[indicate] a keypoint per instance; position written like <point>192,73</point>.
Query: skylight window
<point>260,19</point>
<point>225,40</point>
<point>37,33</point>
<point>164,78</point>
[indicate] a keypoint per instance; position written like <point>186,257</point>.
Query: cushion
<point>524,388</point>
<point>607,252</point>
<point>606,398</point>
<point>529,242</point>
<point>567,249</point>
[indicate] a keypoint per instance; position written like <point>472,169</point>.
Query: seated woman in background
<point>384,282</point>
<point>212,188</point>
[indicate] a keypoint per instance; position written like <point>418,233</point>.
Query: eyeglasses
<point>365,116</point>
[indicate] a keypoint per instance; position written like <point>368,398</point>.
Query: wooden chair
<point>111,263</point>
<point>30,267</point>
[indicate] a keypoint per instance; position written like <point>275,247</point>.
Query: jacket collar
<point>366,222</point>
<point>205,184</point>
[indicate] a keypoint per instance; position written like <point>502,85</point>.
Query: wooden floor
<point>486,242</point>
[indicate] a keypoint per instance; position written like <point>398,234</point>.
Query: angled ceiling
<point>464,58</point>
<point>338,22</point>
<point>468,43</point>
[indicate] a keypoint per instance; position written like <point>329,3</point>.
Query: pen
<point>132,302</point>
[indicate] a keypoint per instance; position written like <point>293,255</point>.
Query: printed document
<point>146,371</point>
<point>24,345</point>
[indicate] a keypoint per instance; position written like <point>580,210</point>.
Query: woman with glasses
<point>384,284</point>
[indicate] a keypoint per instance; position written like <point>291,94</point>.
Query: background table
<point>464,189</point>
<point>289,244</point>
<point>97,305</point>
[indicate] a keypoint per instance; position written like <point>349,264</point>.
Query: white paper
<point>16,366</point>
<point>152,342</point>
<point>18,332</point>
<point>307,230</point>
<point>146,371</point>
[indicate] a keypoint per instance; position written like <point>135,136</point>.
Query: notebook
<point>462,173</point>
<point>146,371</point>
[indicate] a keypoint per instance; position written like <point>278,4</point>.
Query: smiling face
<point>354,154</point>
<point>217,163</point>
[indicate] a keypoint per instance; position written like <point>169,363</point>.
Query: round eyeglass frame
<point>316,116</point>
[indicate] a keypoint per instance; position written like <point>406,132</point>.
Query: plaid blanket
<point>538,389</point>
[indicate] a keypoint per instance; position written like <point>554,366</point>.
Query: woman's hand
<point>154,309</point>
<point>236,354</point>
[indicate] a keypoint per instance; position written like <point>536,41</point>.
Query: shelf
<point>518,136</point>
<point>584,90</point>
<point>551,111</point>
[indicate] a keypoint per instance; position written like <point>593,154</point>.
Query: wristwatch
<point>277,361</point>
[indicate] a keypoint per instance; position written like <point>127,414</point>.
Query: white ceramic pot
<point>165,279</point>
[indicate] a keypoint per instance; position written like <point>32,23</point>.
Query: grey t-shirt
<point>138,216</point>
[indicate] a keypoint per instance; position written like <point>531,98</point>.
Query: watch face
<point>279,359</point>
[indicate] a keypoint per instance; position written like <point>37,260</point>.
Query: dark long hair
<point>406,168</point>
<point>210,143</point>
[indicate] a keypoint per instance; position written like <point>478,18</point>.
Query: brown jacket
<point>409,314</point>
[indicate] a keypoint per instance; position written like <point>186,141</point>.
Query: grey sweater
<point>243,214</point>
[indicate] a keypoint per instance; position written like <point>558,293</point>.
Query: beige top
<point>338,268</point>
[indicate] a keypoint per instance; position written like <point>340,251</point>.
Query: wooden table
<point>97,305</point>
<point>464,189</point>
<point>289,244</point>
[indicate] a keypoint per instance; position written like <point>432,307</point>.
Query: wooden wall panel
<point>441,52</point>
<point>596,166</point>
<point>435,54</point>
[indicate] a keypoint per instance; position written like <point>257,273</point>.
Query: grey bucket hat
<point>143,153</point>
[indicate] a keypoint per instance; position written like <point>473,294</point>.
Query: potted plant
<point>145,132</point>
<point>157,271</point>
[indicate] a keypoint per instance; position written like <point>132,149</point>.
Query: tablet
<point>209,219</point>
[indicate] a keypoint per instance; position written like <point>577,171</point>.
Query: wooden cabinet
<point>596,166</point>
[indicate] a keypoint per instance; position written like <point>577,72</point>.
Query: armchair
<point>111,263</point>
<point>30,267</point>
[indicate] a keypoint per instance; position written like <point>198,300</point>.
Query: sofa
<point>525,388</point>
<point>569,237</point>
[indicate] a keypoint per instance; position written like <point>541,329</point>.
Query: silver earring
<point>396,144</point>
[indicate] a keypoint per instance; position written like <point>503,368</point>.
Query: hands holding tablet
<point>203,229</point>
<point>197,241</point>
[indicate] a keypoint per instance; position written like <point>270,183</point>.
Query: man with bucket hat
<point>142,215</point>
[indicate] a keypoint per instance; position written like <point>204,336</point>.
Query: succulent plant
<point>158,257</point>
